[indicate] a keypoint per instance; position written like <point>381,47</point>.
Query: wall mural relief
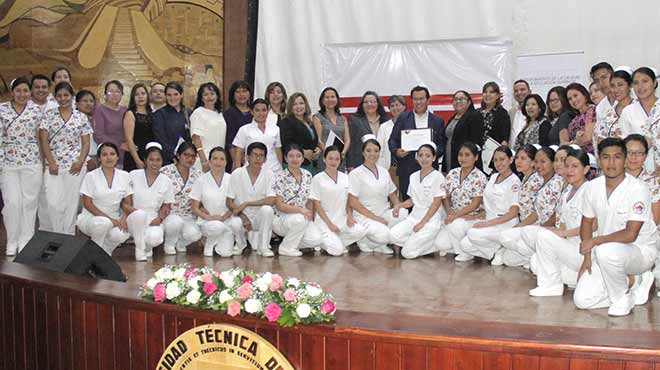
<point>101,40</point>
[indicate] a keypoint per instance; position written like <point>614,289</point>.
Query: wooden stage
<point>430,313</point>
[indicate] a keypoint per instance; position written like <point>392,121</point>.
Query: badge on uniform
<point>638,208</point>
<point>515,188</point>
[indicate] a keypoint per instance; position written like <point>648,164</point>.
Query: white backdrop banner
<point>394,68</point>
<point>544,71</point>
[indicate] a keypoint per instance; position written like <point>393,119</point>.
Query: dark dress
<point>235,119</point>
<point>469,127</point>
<point>559,124</point>
<point>142,135</point>
<point>170,125</point>
<point>293,131</point>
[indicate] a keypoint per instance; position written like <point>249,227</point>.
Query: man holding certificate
<point>412,129</point>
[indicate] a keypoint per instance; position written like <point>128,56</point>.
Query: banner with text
<point>544,71</point>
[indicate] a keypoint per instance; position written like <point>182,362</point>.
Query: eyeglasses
<point>189,155</point>
<point>555,100</point>
<point>636,154</point>
<point>460,99</point>
<point>257,156</point>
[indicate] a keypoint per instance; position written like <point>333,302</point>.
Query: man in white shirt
<point>518,121</point>
<point>624,248</point>
<point>40,91</point>
<point>251,198</point>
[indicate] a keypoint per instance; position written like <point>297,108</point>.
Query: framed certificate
<point>411,140</point>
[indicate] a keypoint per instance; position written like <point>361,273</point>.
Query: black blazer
<point>406,121</point>
<point>293,131</point>
<point>501,129</point>
<point>470,127</point>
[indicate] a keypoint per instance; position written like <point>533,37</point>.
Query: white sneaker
<point>623,306</point>
<point>442,253</point>
<point>150,252</point>
<point>551,291</point>
<point>287,252</point>
<point>265,252</point>
<point>384,249</point>
<point>642,287</point>
<point>12,249</point>
<point>169,249</point>
<point>463,257</point>
<point>208,251</point>
<point>180,248</point>
<point>237,251</point>
<point>498,259</point>
<point>140,256</point>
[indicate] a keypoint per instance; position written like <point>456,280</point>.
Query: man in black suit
<point>418,118</point>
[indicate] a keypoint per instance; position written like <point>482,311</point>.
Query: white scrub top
<point>423,192</point>
<point>630,201</point>
<point>106,198</point>
<point>652,131</point>
<point>211,127</point>
<point>242,190</point>
<point>332,195</point>
<point>634,120</point>
<point>212,195</point>
<point>569,212</point>
<point>500,197</point>
<point>251,133</point>
<point>150,198</point>
<point>370,189</point>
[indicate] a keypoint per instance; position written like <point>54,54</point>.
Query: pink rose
<point>327,307</point>
<point>244,291</point>
<point>290,295</point>
<point>188,274</point>
<point>247,279</point>
<point>234,308</point>
<point>159,292</point>
<point>275,282</point>
<point>217,274</point>
<point>209,288</point>
<point>207,278</point>
<point>273,312</point>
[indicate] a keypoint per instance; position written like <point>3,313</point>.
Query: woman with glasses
<point>109,118</point>
<point>465,125</point>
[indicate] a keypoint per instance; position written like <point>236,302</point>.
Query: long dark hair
<point>132,105</point>
<point>235,86</point>
<point>380,109</point>
<point>561,93</point>
<point>322,110</point>
<point>200,96</point>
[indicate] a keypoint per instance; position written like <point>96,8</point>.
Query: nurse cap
<point>178,144</point>
<point>625,69</point>
<point>592,160</point>
<point>429,143</point>
<point>368,137</point>
<point>153,144</point>
<point>554,147</point>
<point>575,146</point>
<point>537,146</point>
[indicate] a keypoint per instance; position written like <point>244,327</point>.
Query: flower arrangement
<point>237,291</point>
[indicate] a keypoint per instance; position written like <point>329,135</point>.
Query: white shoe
<point>463,257</point>
<point>642,287</point>
<point>526,266</point>
<point>237,251</point>
<point>289,252</point>
<point>180,248</point>
<point>169,249</point>
<point>442,253</point>
<point>551,291</point>
<point>498,259</point>
<point>150,252</point>
<point>140,256</point>
<point>265,252</point>
<point>12,249</point>
<point>208,251</point>
<point>384,249</point>
<point>623,306</point>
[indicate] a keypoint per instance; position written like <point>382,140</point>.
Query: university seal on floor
<point>221,346</point>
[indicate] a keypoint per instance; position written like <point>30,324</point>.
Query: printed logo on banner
<point>222,346</point>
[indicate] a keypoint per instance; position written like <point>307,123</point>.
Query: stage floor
<point>433,287</point>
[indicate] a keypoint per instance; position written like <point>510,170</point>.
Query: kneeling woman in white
<point>465,189</point>
<point>153,193</point>
<point>500,198</point>
<point>370,186</point>
<point>519,242</point>
<point>293,216</point>
<point>426,190</point>
<point>181,229</point>
<point>108,214</point>
<point>218,225</point>
<point>558,257</point>
<point>329,193</point>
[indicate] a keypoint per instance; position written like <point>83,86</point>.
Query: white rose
<point>267,276</point>
<point>262,284</point>
<point>303,310</point>
<point>172,290</point>
<point>225,296</point>
<point>194,282</point>
<point>313,291</point>
<point>152,283</point>
<point>227,278</point>
<point>193,296</point>
<point>180,273</point>
<point>252,305</point>
<point>164,273</point>
<point>293,282</point>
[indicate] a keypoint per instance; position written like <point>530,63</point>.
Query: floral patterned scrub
<point>180,226</point>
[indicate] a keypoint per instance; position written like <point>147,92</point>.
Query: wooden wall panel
<point>388,356</point>
<point>554,363</point>
<point>583,364</point>
<point>413,357</point>
<point>268,334</point>
<point>106,319</point>
<point>496,361</point>
<point>336,354</point>
<point>138,331</point>
<point>468,359</point>
<point>638,366</point>
<point>19,328</point>
<point>78,333</point>
<point>361,355</point>
<point>289,345</point>
<point>441,359</point>
<point>313,352</point>
<point>53,329</point>
<point>155,339</point>
<point>41,331</point>
<point>524,362</point>
<point>92,348</point>
<point>7,333</point>
<point>66,336</point>
<point>610,365</point>
<point>122,342</point>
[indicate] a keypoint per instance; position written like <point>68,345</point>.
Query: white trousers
<point>102,232</point>
<point>414,244</point>
<point>145,237</point>
<point>336,243</point>
<point>42,210</point>
<point>298,232</point>
<point>558,259</point>
<point>608,281</point>
<point>180,232</point>
<point>484,241</point>
<point>63,198</point>
<point>261,219</point>
<point>450,236</point>
<point>220,236</point>
<point>378,235</point>
<point>20,191</point>
<point>519,244</point>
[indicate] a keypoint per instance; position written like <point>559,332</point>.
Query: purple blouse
<point>108,126</point>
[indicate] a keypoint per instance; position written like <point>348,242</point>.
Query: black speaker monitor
<point>72,254</point>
